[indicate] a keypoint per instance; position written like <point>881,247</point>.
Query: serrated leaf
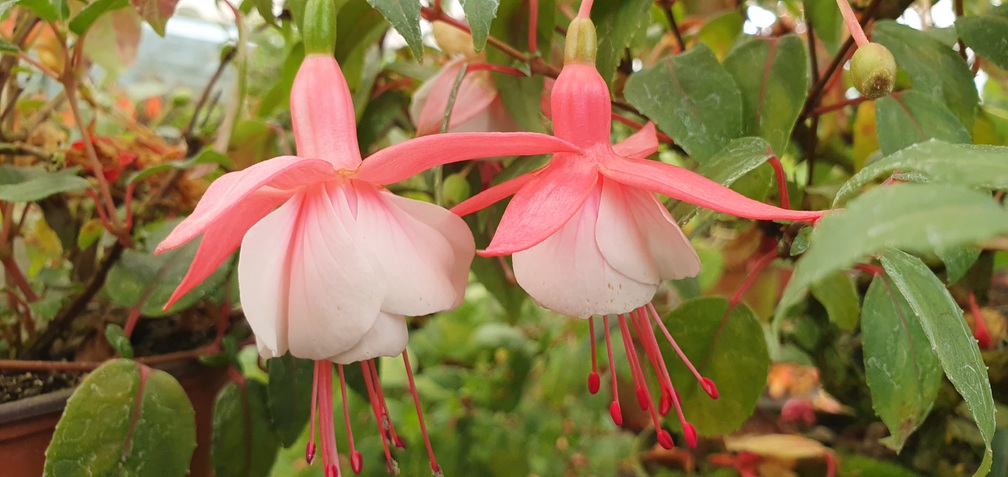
<point>404,16</point>
<point>934,68</point>
<point>914,217</point>
<point>82,22</point>
<point>29,184</point>
<point>728,348</point>
<point>943,323</point>
<point>243,444</point>
<point>124,419</point>
<point>289,387</point>
<point>692,98</point>
<point>156,12</point>
<point>901,369</point>
<point>480,14</point>
<point>987,35</point>
<point>965,164</point>
<point>772,75</point>
<point>735,160</point>
<point>616,23</point>
<point>837,294</point>
<point>908,118</point>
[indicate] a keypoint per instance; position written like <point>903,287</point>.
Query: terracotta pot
<point>27,425</point>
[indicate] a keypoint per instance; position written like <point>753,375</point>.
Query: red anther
<point>332,470</point>
<point>665,439</point>
<point>309,454</point>
<point>614,411</point>
<point>356,462</point>
<point>643,399</point>
<point>689,432</point>
<point>665,403</point>
<point>709,387</point>
<point>594,383</point>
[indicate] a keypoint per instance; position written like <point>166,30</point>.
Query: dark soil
<point>15,386</point>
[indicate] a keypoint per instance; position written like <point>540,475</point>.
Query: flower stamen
<point>375,407</point>
<point>356,461</point>
<point>435,468</point>
<point>706,383</point>
<point>614,407</point>
<point>593,379</point>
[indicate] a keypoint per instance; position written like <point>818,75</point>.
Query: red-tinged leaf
<point>156,12</point>
<point>124,419</point>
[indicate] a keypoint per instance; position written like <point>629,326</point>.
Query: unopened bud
<point>453,41</point>
<point>873,71</point>
<point>582,43</point>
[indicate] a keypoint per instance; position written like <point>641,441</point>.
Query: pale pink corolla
<point>587,235</point>
<point>477,107</point>
<point>330,260</point>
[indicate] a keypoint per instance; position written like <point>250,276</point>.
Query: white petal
<point>335,292</point>
<point>263,270</point>
<point>387,337</point>
<point>422,251</point>
<point>618,235</point>
<point>671,251</point>
<point>568,274</point>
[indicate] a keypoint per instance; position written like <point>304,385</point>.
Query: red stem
<point>785,201</point>
<point>852,23</point>
<point>533,39</point>
<point>751,276</point>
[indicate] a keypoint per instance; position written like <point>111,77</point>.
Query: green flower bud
<point>319,27</point>
<point>581,44</point>
<point>873,71</point>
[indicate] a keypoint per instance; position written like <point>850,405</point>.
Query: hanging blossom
<point>477,106</point>
<point>330,260</point>
<point>591,214</point>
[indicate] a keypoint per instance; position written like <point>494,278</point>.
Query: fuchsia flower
<point>330,260</point>
<point>588,237</point>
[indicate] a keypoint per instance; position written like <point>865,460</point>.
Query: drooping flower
<point>330,260</point>
<point>477,106</point>
<point>587,235</point>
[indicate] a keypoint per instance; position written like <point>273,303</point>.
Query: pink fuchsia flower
<point>330,260</point>
<point>588,237</point>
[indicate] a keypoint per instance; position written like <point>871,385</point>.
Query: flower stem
<point>852,23</point>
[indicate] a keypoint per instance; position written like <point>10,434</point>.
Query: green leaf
<point>943,323</point>
<point>936,161</point>
<point>616,23</point>
<point>290,385</point>
<point>735,160</point>
<point>719,32</point>
<point>772,75</point>
<point>29,184</point>
<point>915,217</point>
<point>902,371</point>
<point>118,340</point>
<point>837,294</point>
<point>934,68</point>
<point>141,278</point>
<point>958,261</point>
<point>727,346</point>
<point>206,156</point>
<point>480,14</point>
<point>83,21</point>
<point>826,20</point>
<point>155,12</point>
<point>911,117</point>
<point>987,35</point>
<point>692,98</point>
<point>124,419</point>
<point>48,10</point>
<point>8,47</point>
<point>243,445</point>
<point>404,15</point>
